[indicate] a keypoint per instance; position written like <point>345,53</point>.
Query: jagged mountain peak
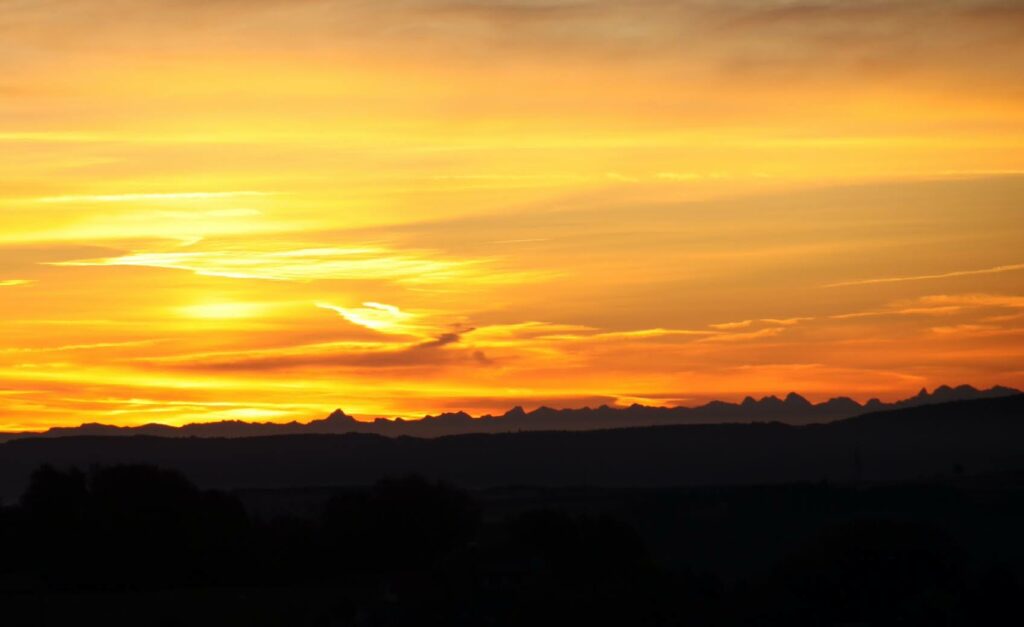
<point>515,412</point>
<point>339,416</point>
<point>796,400</point>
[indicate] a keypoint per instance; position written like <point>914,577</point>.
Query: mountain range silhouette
<point>793,410</point>
<point>965,438</point>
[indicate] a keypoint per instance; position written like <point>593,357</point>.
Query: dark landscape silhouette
<point>985,435</point>
<point>907,516</point>
<point>138,545</point>
<point>793,409</point>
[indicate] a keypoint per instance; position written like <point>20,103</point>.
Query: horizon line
<point>370,419</point>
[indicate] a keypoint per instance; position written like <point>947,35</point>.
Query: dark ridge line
<point>794,410</point>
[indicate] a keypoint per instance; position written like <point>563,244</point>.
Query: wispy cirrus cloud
<point>899,311</point>
<point>746,336</point>
<point>368,262</point>
<point>943,305</point>
<point>80,347</point>
<point>148,196</point>
<point>408,341</point>
<point>352,356</point>
<point>1008,301</point>
<point>728,326</point>
<point>376,316</point>
<point>787,322</point>
<point>930,277</point>
<point>551,334</point>
<point>969,329</point>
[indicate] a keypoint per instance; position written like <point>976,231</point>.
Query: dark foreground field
<point>142,546</point>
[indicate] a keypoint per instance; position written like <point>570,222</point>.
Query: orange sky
<point>264,210</point>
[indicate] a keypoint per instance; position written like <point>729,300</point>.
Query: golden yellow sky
<point>265,209</point>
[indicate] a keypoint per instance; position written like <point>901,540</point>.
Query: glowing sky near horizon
<point>265,210</point>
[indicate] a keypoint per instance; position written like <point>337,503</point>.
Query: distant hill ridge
<point>793,409</point>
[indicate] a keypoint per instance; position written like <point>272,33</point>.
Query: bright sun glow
<point>223,311</point>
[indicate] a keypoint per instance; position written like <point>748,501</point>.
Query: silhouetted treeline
<point>123,528</point>
<point>138,545</point>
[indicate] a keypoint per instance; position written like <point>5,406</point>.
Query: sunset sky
<point>266,209</point>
